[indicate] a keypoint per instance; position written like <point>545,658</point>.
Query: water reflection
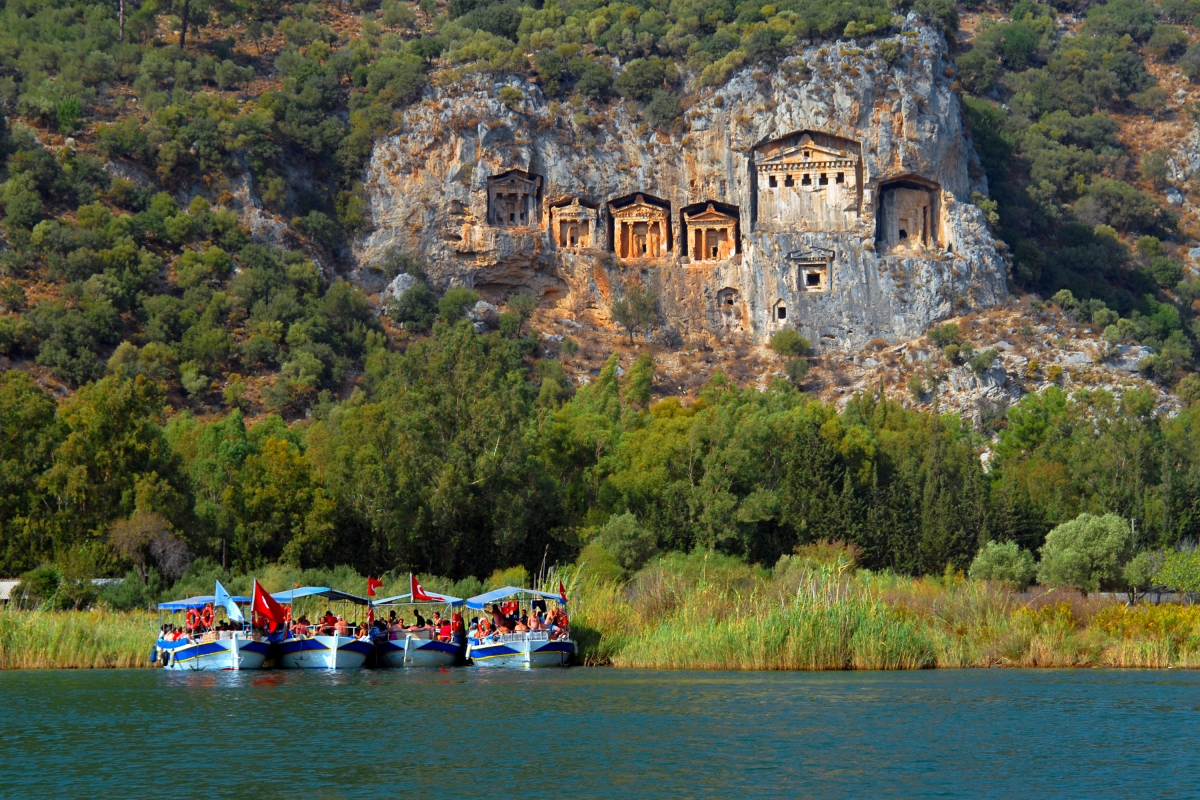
<point>599,733</point>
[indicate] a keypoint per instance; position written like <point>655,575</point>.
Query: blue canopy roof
<point>199,601</point>
<point>480,600</point>
<point>396,599</point>
<point>318,591</point>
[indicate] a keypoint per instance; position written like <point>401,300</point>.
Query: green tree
<point>1086,552</point>
<point>455,303</point>
<point>113,459</point>
<point>1004,563</point>
<point>636,310</point>
<point>640,381</point>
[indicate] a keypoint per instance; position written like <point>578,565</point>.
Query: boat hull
<point>414,652</point>
<point>324,652</point>
<point>217,655</point>
<point>521,653</point>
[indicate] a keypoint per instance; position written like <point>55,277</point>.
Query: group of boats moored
<point>515,628</point>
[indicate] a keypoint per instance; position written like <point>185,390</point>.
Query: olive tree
<point>1086,552</point>
<point>1006,563</point>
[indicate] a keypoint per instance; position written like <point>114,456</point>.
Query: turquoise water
<point>599,733</point>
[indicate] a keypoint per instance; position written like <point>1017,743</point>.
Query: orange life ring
<point>193,618</point>
<point>206,617</point>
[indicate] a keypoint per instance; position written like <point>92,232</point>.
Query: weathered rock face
<point>830,195</point>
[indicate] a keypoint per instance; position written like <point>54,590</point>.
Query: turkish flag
<point>372,585</point>
<point>419,595</point>
<point>267,607</point>
<point>562,592</point>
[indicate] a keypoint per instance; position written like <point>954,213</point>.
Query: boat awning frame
<point>404,599</point>
<point>480,600</point>
<point>318,591</point>
<point>199,601</point>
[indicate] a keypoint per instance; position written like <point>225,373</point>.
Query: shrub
<point>455,302</point>
<point>789,342</point>
<point>1005,563</point>
<point>1086,552</point>
<point>796,369</point>
<point>416,308</point>
<point>1189,389</point>
<point>663,108</point>
<point>943,335</point>
<point>510,96</point>
<point>982,362</point>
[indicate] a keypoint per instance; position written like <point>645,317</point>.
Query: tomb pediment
<point>804,154</point>
<point>710,216</point>
<point>639,209</point>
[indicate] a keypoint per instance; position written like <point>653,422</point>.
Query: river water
<point>474,733</point>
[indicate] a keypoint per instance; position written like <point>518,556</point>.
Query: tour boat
<point>204,648</point>
<point>322,651</point>
<point>422,647</point>
<point>523,649</point>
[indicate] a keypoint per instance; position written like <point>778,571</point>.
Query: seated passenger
<point>419,621</point>
<point>328,622</point>
<point>444,631</point>
<point>521,625</point>
<point>535,621</point>
<point>341,627</point>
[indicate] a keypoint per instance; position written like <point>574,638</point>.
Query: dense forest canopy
<point>453,452</point>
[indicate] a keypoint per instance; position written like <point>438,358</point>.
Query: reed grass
<point>706,611</point>
<point>676,615</point>
<point>75,639</point>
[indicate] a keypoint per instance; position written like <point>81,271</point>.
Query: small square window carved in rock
<point>824,179</point>
<point>806,180</point>
<point>772,181</point>
<point>789,181</point>
<point>841,177</point>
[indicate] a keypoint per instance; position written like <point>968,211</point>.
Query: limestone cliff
<point>830,194</point>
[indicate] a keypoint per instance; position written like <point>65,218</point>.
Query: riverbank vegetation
<point>813,611</point>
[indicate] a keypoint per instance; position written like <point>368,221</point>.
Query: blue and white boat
<point>318,649</point>
<point>422,647</point>
<point>204,647</point>
<point>519,649</point>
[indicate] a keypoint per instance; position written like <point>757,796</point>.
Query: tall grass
<point>707,611</point>
<point>75,639</point>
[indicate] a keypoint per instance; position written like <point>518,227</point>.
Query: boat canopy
<point>199,601</point>
<point>480,600</point>
<point>317,591</point>
<point>401,598</point>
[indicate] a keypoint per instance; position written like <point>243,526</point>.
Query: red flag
<point>419,595</point>
<point>562,592</point>
<point>372,585</point>
<point>267,607</point>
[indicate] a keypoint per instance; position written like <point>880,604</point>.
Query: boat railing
<point>524,636</point>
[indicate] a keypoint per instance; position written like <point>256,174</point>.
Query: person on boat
<point>494,617</point>
<point>521,625</point>
<point>436,622</point>
<point>444,631</point>
<point>300,627</point>
<point>458,630</point>
<point>340,626</point>
<point>391,620</point>
<point>419,621</point>
<point>535,621</point>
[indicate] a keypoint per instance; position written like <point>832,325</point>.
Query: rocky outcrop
<point>830,194</point>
